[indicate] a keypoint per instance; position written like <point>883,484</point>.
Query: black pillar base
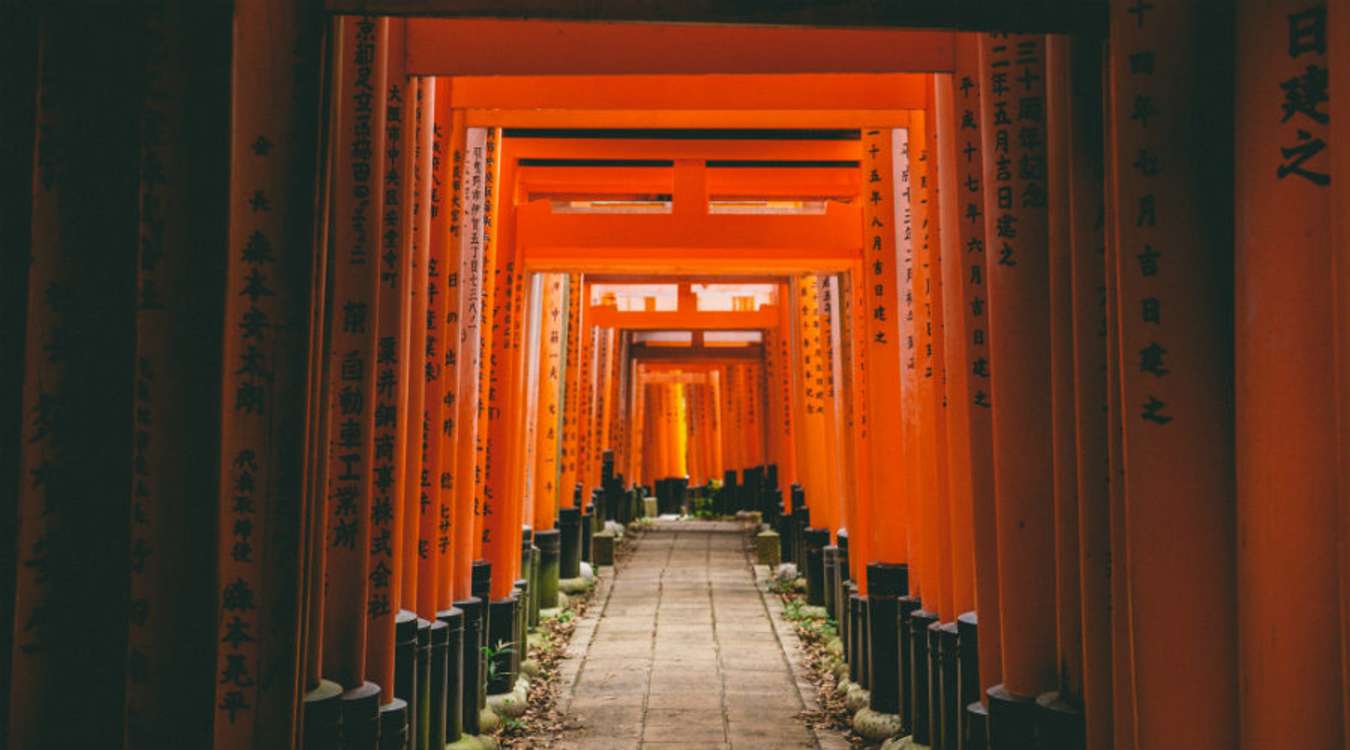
<point>1059,723</point>
<point>569,545</point>
<point>421,732</point>
<point>947,704</point>
<point>470,662</point>
<point>587,533</point>
<point>405,664</point>
<point>906,607</point>
<point>921,717</point>
<point>1012,720</point>
<point>968,666</point>
<point>440,660</point>
<point>977,727</point>
<point>394,725</point>
<point>549,541</point>
<point>815,541</point>
<point>323,716</point>
<point>501,616</point>
<point>829,563</point>
<point>841,590</point>
<point>521,597</point>
<point>454,673</point>
<point>886,583</point>
<point>482,588</point>
<point>857,666</point>
<point>360,706</point>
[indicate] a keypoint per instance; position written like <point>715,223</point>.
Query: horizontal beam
<point>652,93</point>
<point>690,356</point>
<point>753,182</point>
<point>681,118</point>
<point>972,15</point>
<point>634,148</point>
<point>680,261</point>
<point>607,316</point>
<point>834,234</point>
<point>493,46</point>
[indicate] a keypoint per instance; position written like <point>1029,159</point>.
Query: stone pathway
<point>682,652</point>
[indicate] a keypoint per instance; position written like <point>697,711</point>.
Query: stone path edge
<point>791,647</point>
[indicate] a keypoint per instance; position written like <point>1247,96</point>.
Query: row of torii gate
<point>992,354</point>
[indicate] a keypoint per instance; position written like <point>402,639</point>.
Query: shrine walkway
<point>682,651</point>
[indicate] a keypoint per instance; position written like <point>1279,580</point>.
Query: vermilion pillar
<point>1169,204</point>
<point>487,334</point>
<point>933,354</point>
<point>431,501</point>
<point>571,384</point>
<point>1289,691</point>
<point>500,537</point>
<point>973,294</point>
<point>1087,258</point>
<point>956,268</point>
<point>393,369</point>
<point>1013,99</point>
<point>883,207</point>
<point>1338,37</point>
<point>422,94</point>
<point>352,352</point>
<point>1068,605</point>
<point>472,238</point>
<point>550,388</point>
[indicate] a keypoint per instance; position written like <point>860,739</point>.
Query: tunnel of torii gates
<point>331,341</point>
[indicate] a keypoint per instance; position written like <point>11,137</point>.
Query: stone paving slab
<point>683,650</point>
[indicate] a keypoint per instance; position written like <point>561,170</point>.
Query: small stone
<point>874,726</point>
<point>587,572</point>
<point>799,585</point>
<point>857,698</point>
<point>488,721</point>
<point>574,586</point>
<point>465,742</point>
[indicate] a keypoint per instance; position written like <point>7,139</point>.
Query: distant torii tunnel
<point>335,333</point>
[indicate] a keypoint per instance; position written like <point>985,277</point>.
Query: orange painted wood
<point>1019,353</point>
<point>571,390</point>
<point>550,381</point>
<point>924,467</point>
<point>1068,602</point>
<point>790,406</point>
<point>884,209</point>
<point>1087,259</point>
<point>585,406</point>
<point>1289,690</point>
<point>679,149</point>
<point>444,229</point>
<point>1122,649</point>
<point>423,94</point>
<point>432,529</point>
<point>1175,402</point>
<point>773,92</point>
<point>472,236</point>
<point>968,91</point>
<point>501,530</point>
<point>45,381</point>
<point>957,261</point>
<point>729,242</point>
<point>694,119</point>
<point>861,504</point>
<point>488,332</point>
<point>1338,26</point>
<point>937,381</point>
<point>352,348</point>
<point>507,47</point>
<point>393,371</point>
